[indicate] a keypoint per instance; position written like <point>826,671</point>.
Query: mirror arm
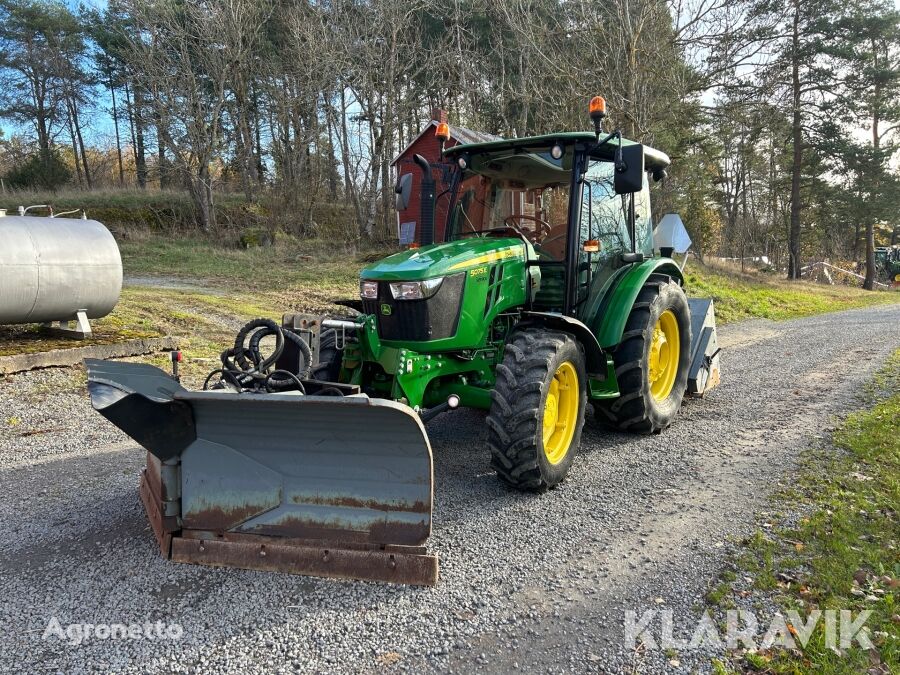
<point>615,134</point>
<point>618,162</point>
<point>632,223</point>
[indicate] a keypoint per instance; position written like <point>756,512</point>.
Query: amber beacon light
<point>597,111</point>
<point>442,133</point>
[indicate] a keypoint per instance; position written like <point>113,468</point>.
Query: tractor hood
<point>438,260</point>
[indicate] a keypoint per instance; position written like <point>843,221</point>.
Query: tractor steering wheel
<point>541,229</point>
<point>502,231</point>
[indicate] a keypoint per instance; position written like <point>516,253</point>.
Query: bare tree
<point>189,54</point>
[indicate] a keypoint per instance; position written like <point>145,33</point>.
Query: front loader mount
<point>320,485</point>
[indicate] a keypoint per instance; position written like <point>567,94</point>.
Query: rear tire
<point>537,409</point>
<point>650,394</point>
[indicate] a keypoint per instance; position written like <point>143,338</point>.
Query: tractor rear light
<point>415,290</point>
<point>591,246</point>
<point>368,289</point>
<point>442,132</point>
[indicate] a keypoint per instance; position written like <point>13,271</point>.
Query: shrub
<point>48,173</point>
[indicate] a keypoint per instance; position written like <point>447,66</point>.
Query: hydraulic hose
<point>245,368</point>
<point>241,352</point>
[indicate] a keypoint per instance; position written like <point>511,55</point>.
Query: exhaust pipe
<point>426,235</point>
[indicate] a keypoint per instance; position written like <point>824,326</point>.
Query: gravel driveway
<point>538,583</point>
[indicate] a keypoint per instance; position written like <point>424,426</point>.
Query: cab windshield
<point>528,193</point>
<point>517,193</point>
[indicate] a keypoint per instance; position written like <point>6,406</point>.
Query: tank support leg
<point>81,331</point>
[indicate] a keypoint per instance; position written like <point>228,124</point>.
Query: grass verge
<point>751,296</point>
<point>839,549</point>
<point>294,265</point>
<point>206,288</point>
<point>173,211</point>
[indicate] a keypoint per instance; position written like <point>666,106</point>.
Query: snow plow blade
<point>320,485</point>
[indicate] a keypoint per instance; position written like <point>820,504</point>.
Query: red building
<point>426,144</point>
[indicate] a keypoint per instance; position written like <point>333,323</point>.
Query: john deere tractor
<point>306,451</point>
<point>887,264</point>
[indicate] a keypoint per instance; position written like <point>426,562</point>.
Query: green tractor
<point>887,264</point>
<point>309,455</point>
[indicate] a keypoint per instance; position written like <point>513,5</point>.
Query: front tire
<point>537,409</point>
<point>328,367</point>
<point>652,360</point>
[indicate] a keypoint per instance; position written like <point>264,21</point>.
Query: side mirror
<point>629,176</point>
<point>403,190</point>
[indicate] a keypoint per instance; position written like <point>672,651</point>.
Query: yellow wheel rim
<point>560,413</point>
<point>665,349</point>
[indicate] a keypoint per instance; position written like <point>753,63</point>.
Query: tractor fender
<point>609,324</point>
<point>594,357</point>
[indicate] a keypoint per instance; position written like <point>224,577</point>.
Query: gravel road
<point>537,583</point>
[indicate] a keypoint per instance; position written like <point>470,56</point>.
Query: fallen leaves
<point>388,658</point>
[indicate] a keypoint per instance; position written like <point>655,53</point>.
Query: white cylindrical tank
<point>50,268</point>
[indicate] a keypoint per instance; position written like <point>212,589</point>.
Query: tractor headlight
<point>368,290</point>
<point>415,290</point>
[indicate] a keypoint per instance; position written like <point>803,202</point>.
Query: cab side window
<point>643,222</point>
<point>603,212</point>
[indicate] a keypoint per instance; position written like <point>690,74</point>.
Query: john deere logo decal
<point>386,309</point>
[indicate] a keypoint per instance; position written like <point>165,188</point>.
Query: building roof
<point>461,135</point>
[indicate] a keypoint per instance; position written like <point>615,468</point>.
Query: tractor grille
<point>435,318</point>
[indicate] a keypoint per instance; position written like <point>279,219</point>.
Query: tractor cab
<point>561,196</point>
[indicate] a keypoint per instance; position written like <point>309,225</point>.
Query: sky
<point>99,126</point>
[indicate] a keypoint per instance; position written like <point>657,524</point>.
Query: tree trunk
<point>869,283</point>
<point>332,154</point>
<point>129,107</point>
<point>140,151</point>
<point>115,116</point>
<point>202,195</point>
<point>75,151</point>
<point>43,131</point>
<point>260,169</point>
<point>77,127</point>
<point>797,163</point>
<point>163,165</point>
<point>244,140</point>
